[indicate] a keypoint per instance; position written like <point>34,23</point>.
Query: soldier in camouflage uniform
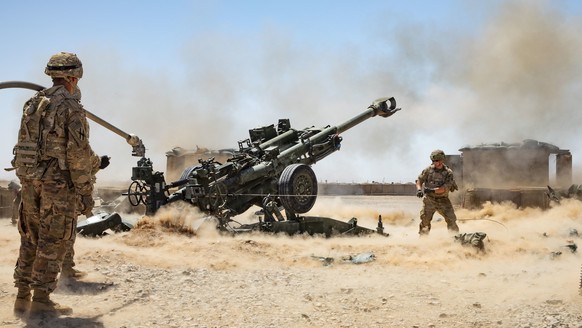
<point>53,160</point>
<point>434,184</point>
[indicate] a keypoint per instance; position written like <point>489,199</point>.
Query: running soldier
<point>434,184</point>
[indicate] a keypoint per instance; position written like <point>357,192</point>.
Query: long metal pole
<point>131,139</point>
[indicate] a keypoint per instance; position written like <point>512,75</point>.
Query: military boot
<point>22,303</point>
<point>424,231</point>
<point>453,227</point>
<point>42,305</point>
<point>72,273</point>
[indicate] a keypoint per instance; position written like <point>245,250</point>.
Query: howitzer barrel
<point>383,107</point>
<point>379,107</point>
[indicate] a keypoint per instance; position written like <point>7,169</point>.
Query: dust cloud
<point>525,75</point>
<point>517,77</point>
<point>510,230</point>
<point>513,76</point>
<point>528,274</point>
<point>518,240</point>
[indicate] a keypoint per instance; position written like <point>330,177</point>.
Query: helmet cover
<point>64,64</point>
<point>437,155</point>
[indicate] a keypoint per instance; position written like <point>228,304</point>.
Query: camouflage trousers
<point>47,221</point>
<point>443,206</point>
<point>68,260</point>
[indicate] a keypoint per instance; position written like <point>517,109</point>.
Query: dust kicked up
<point>171,271</point>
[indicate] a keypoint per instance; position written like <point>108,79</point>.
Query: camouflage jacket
<point>53,140</point>
<point>432,177</point>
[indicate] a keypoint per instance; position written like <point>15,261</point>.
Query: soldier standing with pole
<point>53,160</point>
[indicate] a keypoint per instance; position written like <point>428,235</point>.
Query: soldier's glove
<point>86,204</point>
<point>419,193</point>
<point>104,162</point>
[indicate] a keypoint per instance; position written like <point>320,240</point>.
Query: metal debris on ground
<point>355,259</point>
<point>98,224</point>
<point>572,246</point>
<point>327,261</point>
<point>474,239</point>
<point>362,258</point>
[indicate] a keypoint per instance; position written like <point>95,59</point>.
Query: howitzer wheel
<point>137,193</point>
<point>217,195</point>
<point>298,188</point>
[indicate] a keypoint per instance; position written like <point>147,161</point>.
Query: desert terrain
<point>162,275</point>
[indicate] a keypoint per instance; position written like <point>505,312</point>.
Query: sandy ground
<point>157,277</point>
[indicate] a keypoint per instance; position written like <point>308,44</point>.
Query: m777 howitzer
<point>271,170</point>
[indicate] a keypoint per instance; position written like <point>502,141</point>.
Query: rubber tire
<point>298,188</point>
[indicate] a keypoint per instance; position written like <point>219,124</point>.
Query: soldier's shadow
<point>93,322</point>
<point>70,286</point>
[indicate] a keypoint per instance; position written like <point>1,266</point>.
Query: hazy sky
<point>187,73</point>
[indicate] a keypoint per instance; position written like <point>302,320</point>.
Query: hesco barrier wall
<point>367,189</point>
<point>521,197</point>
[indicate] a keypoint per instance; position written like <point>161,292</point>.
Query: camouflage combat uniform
<point>53,160</point>
<point>431,177</point>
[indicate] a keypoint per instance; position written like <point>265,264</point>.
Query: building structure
<point>516,172</point>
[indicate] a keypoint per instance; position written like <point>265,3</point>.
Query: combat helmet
<point>64,64</point>
<point>437,155</point>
